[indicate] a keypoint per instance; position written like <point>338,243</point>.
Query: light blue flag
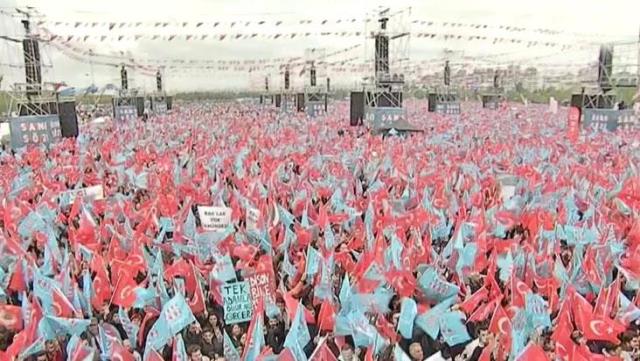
<point>345,290</point>
<point>408,313</point>
<point>179,351</point>
<point>467,257</point>
<point>519,332</point>
<point>329,238</point>
<point>434,287</point>
<point>453,330</point>
<point>628,311</point>
<point>105,343</point>
<point>505,264</point>
<point>299,324</point>
<point>429,321</point>
<point>343,324</point>
<point>256,340</point>
<point>362,331</point>
<point>31,223</point>
<point>51,327</point>
<point>324,290</point>
<point>73,343</point>
<point>399,354</point>
<point>393,255</point>
<point>287,267</point>
<point>537,311</point>
<point>368,224</point>
<point>43,288</point>
<point>130,328</point>
<point>223,269</point>
<point>144,297</point>
<point>25,308</point>
<point>286,217</point>
<point>298,336</point>
<point>230,351</point>
<point>36,347</point>
<point>313,261</point>
<point>190,226</point>
<point>175,316</point>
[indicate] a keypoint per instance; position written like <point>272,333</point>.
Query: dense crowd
<point>489,236</point>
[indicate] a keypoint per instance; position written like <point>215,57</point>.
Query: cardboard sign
<point>34,129</point>
<point>263,288</point>
<point>214,218</point>
<point>236,301</point>
<point>88,194</point>
<point>253,220</point>
<point>126,113</point>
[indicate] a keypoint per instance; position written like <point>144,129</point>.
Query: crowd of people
<point>489,236</point>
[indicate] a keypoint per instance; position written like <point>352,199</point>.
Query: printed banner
<point>126,113</point>
<point>34,129</point>
<point>383,117</point>
<point>214,218</point>
<point>236,302</point>
<point>448,108</point>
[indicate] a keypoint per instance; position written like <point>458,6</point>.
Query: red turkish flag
<point>501,326</point>
<point>483,312</point>
<point>62,306</point>
<point>533,352</point>
<point>196,303</point>
<point>603,330</point>
<point>402,281</point>
<point>326,316</point>
<point>323,353</point>
<point>519,291</point>
<point>470,304</point>
<point>17,282</point>
<point>119,353</point>
<point>101,285</point>
<point>11,317</point>
<point>124,293</point>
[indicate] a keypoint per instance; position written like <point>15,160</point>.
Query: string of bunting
<point>115,26</point>
<point>231,37</point>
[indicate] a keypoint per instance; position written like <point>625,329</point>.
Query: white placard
<point>214,218</point>
<point>253,217</point>
<point>553,105</point>
<point>92,193</point>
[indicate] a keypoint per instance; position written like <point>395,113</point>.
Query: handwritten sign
<point>88,194</point>
<point>214,218</point>
<point>236,302</point>
<point>263,288</point>
<point>34,129</point>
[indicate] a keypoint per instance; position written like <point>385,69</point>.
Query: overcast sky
<point>612,19</point>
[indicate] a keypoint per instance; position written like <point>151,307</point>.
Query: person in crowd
<point>347,353</point>
<point>210,345</point>
<point>195,354</point>
<point>415,352</point>
<point>193,336</point>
